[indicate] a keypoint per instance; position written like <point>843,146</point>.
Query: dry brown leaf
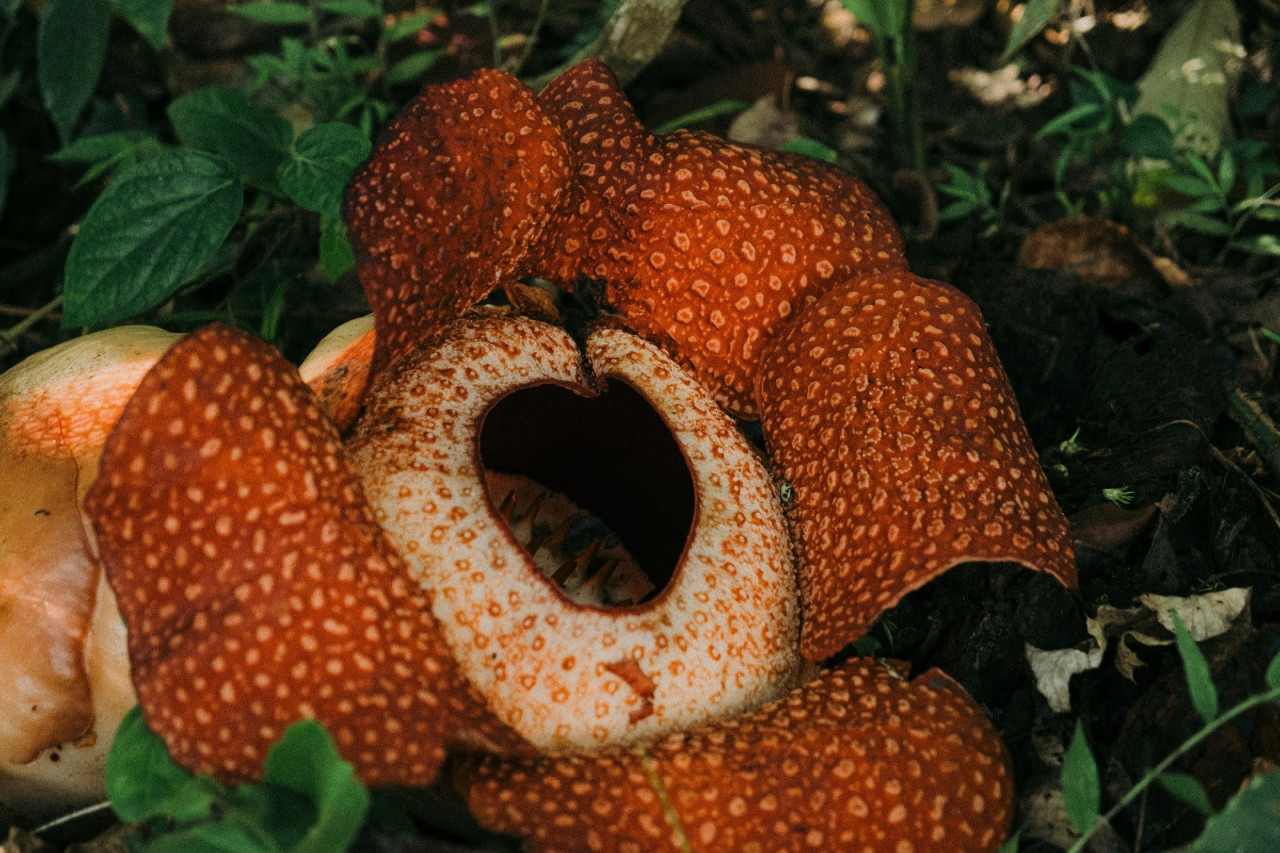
<point>1206,615</point>
<point>1053,670</point>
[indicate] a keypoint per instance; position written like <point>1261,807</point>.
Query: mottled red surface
<point>859,759</point>
<point>256,586</point>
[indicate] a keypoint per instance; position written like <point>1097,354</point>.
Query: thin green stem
<point>1187,745</point>
<point>9,336</point>
<point>650,768</point>
<point>532,38</point>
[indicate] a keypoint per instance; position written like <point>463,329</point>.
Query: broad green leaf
<point>408,26</point>
<point>222,120</point>
<point>306,762</point>
<point>1148,136</point>
<point>1204,696</point>
<point>1273,668</point>
<point>71,46</point>
<point>1036,15</point>
<point>149,18</point>
<point>1188,789</point>
<point>268,12</point>
<point>143,782</point>
<point>1249,823</point>
<point>350,8</point>
<point>1194,72</point>
<point>412,66</point>
<point>336,253</point>
<point>153,227</point>
<point>321,163</point>
<point>1081,790</point>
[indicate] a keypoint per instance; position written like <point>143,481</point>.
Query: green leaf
<point>1190,185</point>
<point>149,18</point>
<point>222,120</point>
<point>1011,843</point>
<point>1036,15</point>
<point>1081,789</point>
<point>1067,121</point>
<point>219,837</point>
<point>267,12</point>
<point>1188,789</point>
<point>142,781</point>
<point>719,108</point>
<point>350,8</point>
<point>1259,244</point>
<point>1193,73</point>
<point>7,162</point>
<point>322,161</point>
<point>1204,696</point>
<point>100,147</point>
<point>407,26</point>
<point>885,18</point>
<point>1249,823</point>
<point>412,66</point>
<point>1198,223</point>
<point>1273,668</point>
<point>71,46</point>
<point>1148,136</point>
<point>305,761</point>
<point>811,148</point>
<point>336,253</point>
<point>154,226</point>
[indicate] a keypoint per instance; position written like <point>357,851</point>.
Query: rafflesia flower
<point>553,554</point>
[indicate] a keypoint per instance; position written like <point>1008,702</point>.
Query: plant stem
<point>632,36</point>
<point>650,768</point>
<point>1259,427</point>
<point>10,335</point>
<point>1187,745</point>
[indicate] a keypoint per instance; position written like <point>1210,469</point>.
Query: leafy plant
<point>1247,822</point>
<point>890,23</point>
<point>251,193</point>
<point>308,801</point>
<point>971,196</point>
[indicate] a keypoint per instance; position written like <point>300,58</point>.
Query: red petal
<point>451,203</point>
<point>887,411</point>
<point>702,242</point>
<point>857,760</point>
<point>256,586</point>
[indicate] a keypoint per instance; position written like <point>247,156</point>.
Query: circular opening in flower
<point>596,489</point>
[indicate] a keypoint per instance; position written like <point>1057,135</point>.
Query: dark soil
<point>1124,379</point>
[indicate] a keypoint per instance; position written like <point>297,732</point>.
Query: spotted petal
<point>859,759</point>
<point>256,586</point>
<point>451,202</point>
<point>709,244</point>
<point>887,411</point>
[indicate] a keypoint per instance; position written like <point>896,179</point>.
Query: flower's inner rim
<point>612,455</point>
